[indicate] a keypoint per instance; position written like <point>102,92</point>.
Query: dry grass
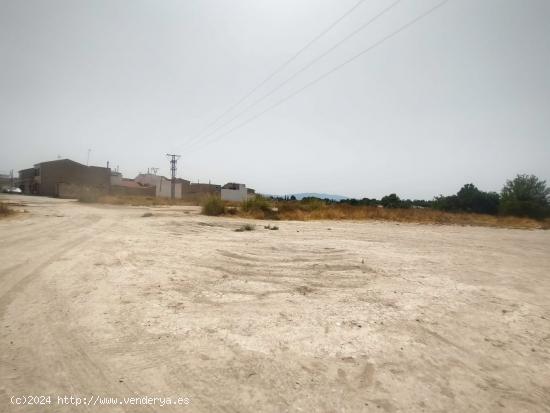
<point>213,206</point>
<point>139,200</point>
<point>424,216</point>
<point>246,227</point>
<point>317,210</point>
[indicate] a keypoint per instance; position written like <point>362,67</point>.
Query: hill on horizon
<point>302,195</point>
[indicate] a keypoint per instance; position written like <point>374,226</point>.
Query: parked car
<point>11,190</point>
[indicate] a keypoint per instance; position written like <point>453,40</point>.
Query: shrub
<point>213,206</point>
<point>257,203</point>
<point>231,210</point>
<point>5,210</point>
<point>259,207</point>
<point>246,227</point>
<point>306,205</point>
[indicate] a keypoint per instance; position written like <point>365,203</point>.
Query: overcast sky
<point>461,96</point>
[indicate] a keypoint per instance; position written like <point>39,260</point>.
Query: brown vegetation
<point>135,200</point>
<point>213,206</point>
<point>314,209</point>
<point>246,227</point>
<point>5,210</point>
<point>428,216</point>
<point>319,210</point>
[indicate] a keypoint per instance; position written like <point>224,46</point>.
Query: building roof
<point>129,183</point>
<point>70,161</point>
<point>233,185</point>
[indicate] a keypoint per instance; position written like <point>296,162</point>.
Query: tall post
<point>173,168</point>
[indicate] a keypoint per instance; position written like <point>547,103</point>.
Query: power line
<point>281,67</point>
<point>301,70</point>
<point>329,72</point>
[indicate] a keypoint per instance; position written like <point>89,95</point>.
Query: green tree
<point>526,195</point>
<point>469,199</point>
<point>391,201</point>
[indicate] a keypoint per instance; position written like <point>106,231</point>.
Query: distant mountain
<point>317,195</point>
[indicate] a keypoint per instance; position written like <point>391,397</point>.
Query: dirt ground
<point>315,317</point>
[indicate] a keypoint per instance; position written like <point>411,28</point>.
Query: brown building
<point>55,178</point>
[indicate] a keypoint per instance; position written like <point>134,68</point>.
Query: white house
<point>163,185</point>
<point>234,192</point>
<point>116,178</point>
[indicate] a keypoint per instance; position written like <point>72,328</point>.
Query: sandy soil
<point>317,316</point>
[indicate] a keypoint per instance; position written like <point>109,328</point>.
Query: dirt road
<point>98,301</point>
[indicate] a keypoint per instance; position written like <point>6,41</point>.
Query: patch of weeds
<point>304,289</point>
<point>5,210</point>
<point>246,227</point>
<point>147,214</point>
<point>272,228</point>
<point>259,207</point>
<point>231,210</point>
<point>213,206</point>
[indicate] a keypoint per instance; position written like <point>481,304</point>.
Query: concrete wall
<point>116,178</point>
<point>165,188</point>
<point>82,192</point>
<point>198,192</point>
<point>202,188</point>
<point>149,191</point>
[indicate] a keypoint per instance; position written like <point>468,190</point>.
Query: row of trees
<point>523,196</point>
<point>389,201</point>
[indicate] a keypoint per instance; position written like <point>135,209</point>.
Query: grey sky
<point>461,96</point>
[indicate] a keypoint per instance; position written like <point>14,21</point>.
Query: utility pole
<point>88,158</point>
<point>173,168</point>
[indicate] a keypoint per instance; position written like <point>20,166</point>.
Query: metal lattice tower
<point>173,168</point>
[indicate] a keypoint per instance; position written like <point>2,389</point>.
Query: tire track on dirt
<point>10,286</point>
<point>73,368</point>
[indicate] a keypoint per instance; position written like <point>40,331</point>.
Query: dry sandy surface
<point>314,317</point>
